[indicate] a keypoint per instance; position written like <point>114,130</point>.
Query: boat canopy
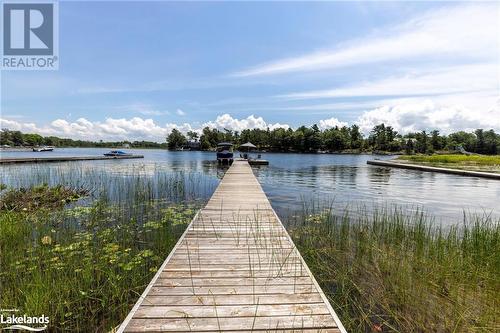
<point>222,144</point>
<point>248,145</point>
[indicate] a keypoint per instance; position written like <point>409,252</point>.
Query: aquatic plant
<point>389,271</point>
<point>40,197</point>
<point>83,261</point>
<point>85,276</point>
<point>121,184</point>
<point>454,159</point>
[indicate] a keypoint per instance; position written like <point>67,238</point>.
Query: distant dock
<point>435,169</point>
<point>64,159</point>
<point>258,162</point>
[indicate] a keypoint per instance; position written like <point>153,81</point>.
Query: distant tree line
<point>338,139</point>
<point>19,139</point>
<point>303,139</point>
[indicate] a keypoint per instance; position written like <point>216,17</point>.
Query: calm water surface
<point>289,180</point>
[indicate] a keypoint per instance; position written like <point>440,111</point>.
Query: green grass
<point>386,271</point>
<point>83,266</point>
<point>454,159</point>
<point>463,162</point>
<point>81,247</point>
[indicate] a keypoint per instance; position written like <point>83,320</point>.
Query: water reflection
<point>349,181</point>
<point>379,175</point>
<point>288,180</point>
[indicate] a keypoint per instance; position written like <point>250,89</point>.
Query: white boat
<point>43,148</point>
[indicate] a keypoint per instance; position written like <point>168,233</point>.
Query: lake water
<point>289,180</point>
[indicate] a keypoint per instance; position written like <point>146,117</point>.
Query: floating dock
<point>64,159</point>
<point>258,162</point>
<point>435,169</point>
<point>235,269</point>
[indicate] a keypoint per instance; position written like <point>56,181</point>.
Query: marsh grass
<point>120,184</point>
<point>84,278</point>
<point>84,263</point>
<point>454,159</point>
<point>388,271</point>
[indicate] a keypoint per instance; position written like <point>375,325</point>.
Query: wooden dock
<point>459,172</point>
<point>235,269</point>
<point>63,159</point>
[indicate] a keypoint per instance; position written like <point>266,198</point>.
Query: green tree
<point>378,137</point>
<point>192,135</point>
<point>5,137</point>
<point>176,139</point>
<point>437,142</point>
<point>480,146</point>
<point>423,143</point>
<point>409,146</point>
<point>17,138</point>
<point>210,138</point>
<point>335,139</point>
<point>462,138</point>
<point>491,142</point>
<point>355,137</point>
<point>33,139</point>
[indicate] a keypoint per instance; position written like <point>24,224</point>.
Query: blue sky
<point>136,70</point>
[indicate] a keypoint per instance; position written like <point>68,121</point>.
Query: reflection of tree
<point>211,167</point>
<point>379,175</point>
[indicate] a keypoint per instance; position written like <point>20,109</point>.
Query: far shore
<point>28,149</point>
<point>343,152</point>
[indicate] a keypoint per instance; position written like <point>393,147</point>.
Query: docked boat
<point>225,153</point>
<point>117,153</point>
<point>43,148</point>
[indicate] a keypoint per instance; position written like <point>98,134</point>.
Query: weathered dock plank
<point>235,269</point>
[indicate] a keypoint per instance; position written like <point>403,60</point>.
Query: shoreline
<point>346,152</point>
<point>435,169</point>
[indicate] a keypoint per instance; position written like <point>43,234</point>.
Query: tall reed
<point>385,270</point>
<point>84,266</point>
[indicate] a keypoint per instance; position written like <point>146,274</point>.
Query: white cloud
<point>135,128</point>
<point>464,31</point>
<point>330,123</point>
<point>25,127</point>
<point>428,115</point>
<point>180,112</point>
<point>154,113</point>
<point>144,109</point>
<point>405,115</point>
<point>454,98</point>
<point>465,78</point>
<point>230,123</point>
<point>417,94</point>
